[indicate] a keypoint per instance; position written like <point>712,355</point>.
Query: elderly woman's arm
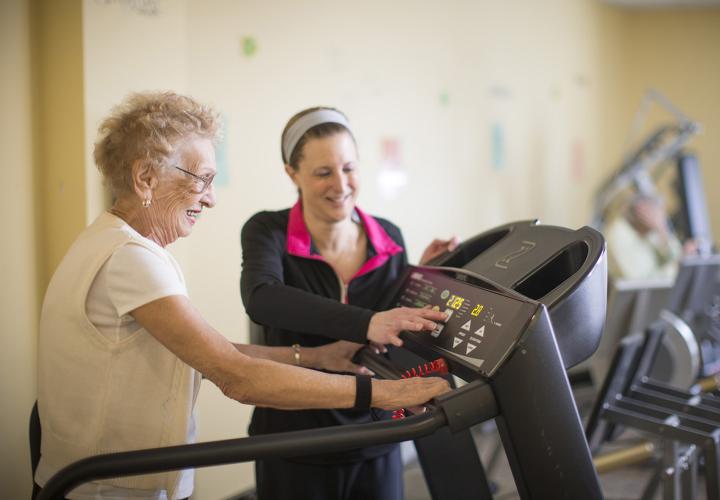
<point>176,323</point>
<point>335,357</point>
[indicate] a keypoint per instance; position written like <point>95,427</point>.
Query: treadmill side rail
<point>471,404</point>
<point>539,424</point>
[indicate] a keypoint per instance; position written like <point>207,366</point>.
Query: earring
<point>147,202</point>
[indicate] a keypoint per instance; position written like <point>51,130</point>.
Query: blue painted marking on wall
<point>497,144</point>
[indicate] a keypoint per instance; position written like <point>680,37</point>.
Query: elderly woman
<point>121,347</point>
<point>327,256</point>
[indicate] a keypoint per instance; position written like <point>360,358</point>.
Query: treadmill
<point>526,301</point>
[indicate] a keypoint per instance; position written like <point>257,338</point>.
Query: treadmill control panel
<point>482,328</point>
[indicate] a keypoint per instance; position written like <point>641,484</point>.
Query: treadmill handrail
<point>283,444</point>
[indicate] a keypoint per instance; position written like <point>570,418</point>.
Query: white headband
<point>305,123</point>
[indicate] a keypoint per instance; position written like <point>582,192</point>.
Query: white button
<point>436,332</point>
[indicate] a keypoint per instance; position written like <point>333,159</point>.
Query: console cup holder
<point>553,273</point>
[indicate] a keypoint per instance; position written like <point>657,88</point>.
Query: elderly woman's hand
<point>385,327</point>
<point>337,357</point>
<point>437,248</point>
<point>407,393</point>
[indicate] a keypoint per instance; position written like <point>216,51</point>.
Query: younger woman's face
<point>327,177</point>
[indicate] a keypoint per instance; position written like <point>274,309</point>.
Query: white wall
<point>387,66</point>
<point>18,266</point>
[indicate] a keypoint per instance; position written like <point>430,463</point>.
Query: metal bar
<point>284,444</point>
<point>656,414</point>
<point>628,456</point>
<point>687,468</point>
<point>689,406</point>
<point>670,479</point>
<point>705,399</point>
<point>685,430</point>
<point>712,466</point>
<point>655,426</point>
<point>709,384</point>
<point>652,485</point>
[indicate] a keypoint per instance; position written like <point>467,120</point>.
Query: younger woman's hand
<point>336,357</point>
<point>437,248</point>
<point>385,326</point>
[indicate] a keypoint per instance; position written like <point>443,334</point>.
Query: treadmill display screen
<point>482,328</point>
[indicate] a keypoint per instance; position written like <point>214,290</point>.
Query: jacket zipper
<point>343,288</point>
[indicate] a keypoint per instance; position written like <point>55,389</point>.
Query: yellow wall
<point>677,51</point>
<point>434,77</point>
<point>42,147</point>
<point>60,126</point>
<point>18,301</point>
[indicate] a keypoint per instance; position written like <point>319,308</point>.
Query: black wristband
<point>363,392</point>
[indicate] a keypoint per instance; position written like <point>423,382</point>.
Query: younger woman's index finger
<point>431,314</point>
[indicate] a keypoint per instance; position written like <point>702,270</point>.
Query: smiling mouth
<point>339,200</point>
<point>193,214</point>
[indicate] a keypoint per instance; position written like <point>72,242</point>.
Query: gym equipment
<point>690,309</point>
<point>639,167</point>
<point>692,220</point>
<point>686,423</point>
<point>526,301</point>
<point>695,301</point>
<point>650,384</point>
<point>632,306</point>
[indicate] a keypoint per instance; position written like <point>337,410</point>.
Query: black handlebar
<point>285,444</point>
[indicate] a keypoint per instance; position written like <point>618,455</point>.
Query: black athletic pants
<point>377,479</point>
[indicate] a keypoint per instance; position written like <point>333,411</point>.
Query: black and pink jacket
<point>288,287</point>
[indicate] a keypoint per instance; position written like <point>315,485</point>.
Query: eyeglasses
<point>202,183</point>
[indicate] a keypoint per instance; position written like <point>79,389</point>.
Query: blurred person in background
<point>641,242</point>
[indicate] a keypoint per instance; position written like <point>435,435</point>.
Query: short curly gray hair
<point>149,126</point>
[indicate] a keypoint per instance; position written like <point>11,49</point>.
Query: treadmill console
<point>483,326</point>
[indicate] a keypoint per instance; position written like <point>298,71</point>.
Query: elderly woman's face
<point>180,198</point>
